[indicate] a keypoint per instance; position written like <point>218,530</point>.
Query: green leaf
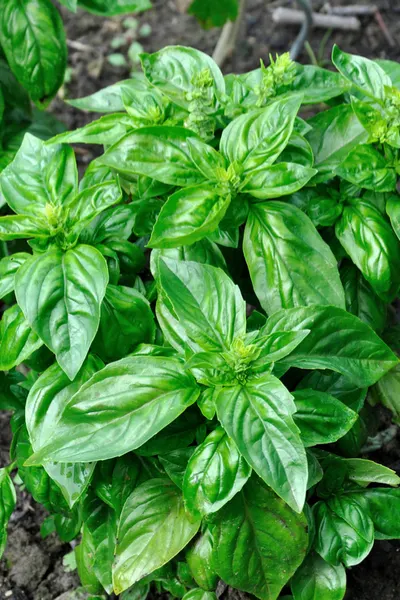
<point>363,73</point>
<point>147,541</point>
<point>393,211</point>
<point>107,130</point>
<point>114,481</point>
<point>315,84</point>
<point>44,406</point>
<point>215,473</point>
<point>133,399</point>
<point>200,560</point>
<point>107,100</point>
<point>277,180</point>
<point>177,435</point>
<point>367,168</point>
<point>336,385</point>
<point>60,295</point>
<point>8,500</point>
<point>368,238</point>
<point>289,263</point>
<point>366,471</point>
<point>70,4</point>
<point>214,15</point>
<point>9,265</point>
<point>17,340</point>
<point>256,139</point>
<point>199,594</point>
<point>361,299</point>
<point>387,392</point>
<point>174,71</point>
<point>33,40</point>
<point>126,321</point>
<point>345,533</point>
<point>92,201</point>
<point>317,579</point>
<point>321,418</point>
<point>351,348</point>
<point>188,216</point>
<point>14,227</point>
<point>383,507</point>
<point>206,302</point>
<point>258,417</point>
<point>210,162</point>
<point>110,8</point>
<point>243,537</point>
<point>391,69</point>
<point>333,135</point>
<point>100,523</point>
<point>203,251</point>
<point>175,463</point>
<point>39,176</point>
<point>160,152</point>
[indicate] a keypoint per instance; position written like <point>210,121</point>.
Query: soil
<point>32,568</point>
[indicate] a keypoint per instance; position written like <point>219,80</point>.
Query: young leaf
<point>39,176</point>
<point>363,73</point>
<point>256,139</point>
<point>17,340</point>
<point>215,473</point>
<point>317,579</point>
<point>188,216</point>
<point>33,39</point>
<point>160,152</point>
<point>60,295</point>
<point>289,263</point>
<point>152,530</point>
<point>258,417</point>
<point>133,399</point>
<point>368,238</point>
<point>331,343</point>
<point>321,418</point>
<point>206,302</point>
<point>243,537</point>
<point>8,500</point>
<point>173,71</point>
<point>107,100</point>
<point>366,471</point>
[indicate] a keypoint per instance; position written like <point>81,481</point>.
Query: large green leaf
<point>33,40</point>
<point>206,302</point>
<point>44,406</point>
<point>334,133</point>
<point>258,417</point>
<point>383,507</point>
<point>344,531</point>
<point>188,216</point>
<point>336,385</point>
<point>8,500</point>
<point>321,418</point>
<point>17,340</point>
<point>40,178</point>
<point>259,541</point>
<point>316,579</point>
<point>363,73</point>
<point>367,168</point>
<point>120,408</point>
<point>60,294</point>
<point>361,299</point>
<point>337,341</point>
<point>215,473</point>
<point>158,152</point>
<point>153,528</point>
<point>368,238</point>
<point>289,263</point>
<point>126,321</point>
<point>176,71</point>
<point>256,139</point>
<point>277,180</point>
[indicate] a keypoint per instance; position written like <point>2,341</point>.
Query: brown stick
<point>227,40</point>
<point>290,16</point>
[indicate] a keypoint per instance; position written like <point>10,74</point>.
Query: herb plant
<point>201,319</point>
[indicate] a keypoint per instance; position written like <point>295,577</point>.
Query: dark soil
<point>32,568</point>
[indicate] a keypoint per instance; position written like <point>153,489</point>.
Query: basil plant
<point>195,332</point>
